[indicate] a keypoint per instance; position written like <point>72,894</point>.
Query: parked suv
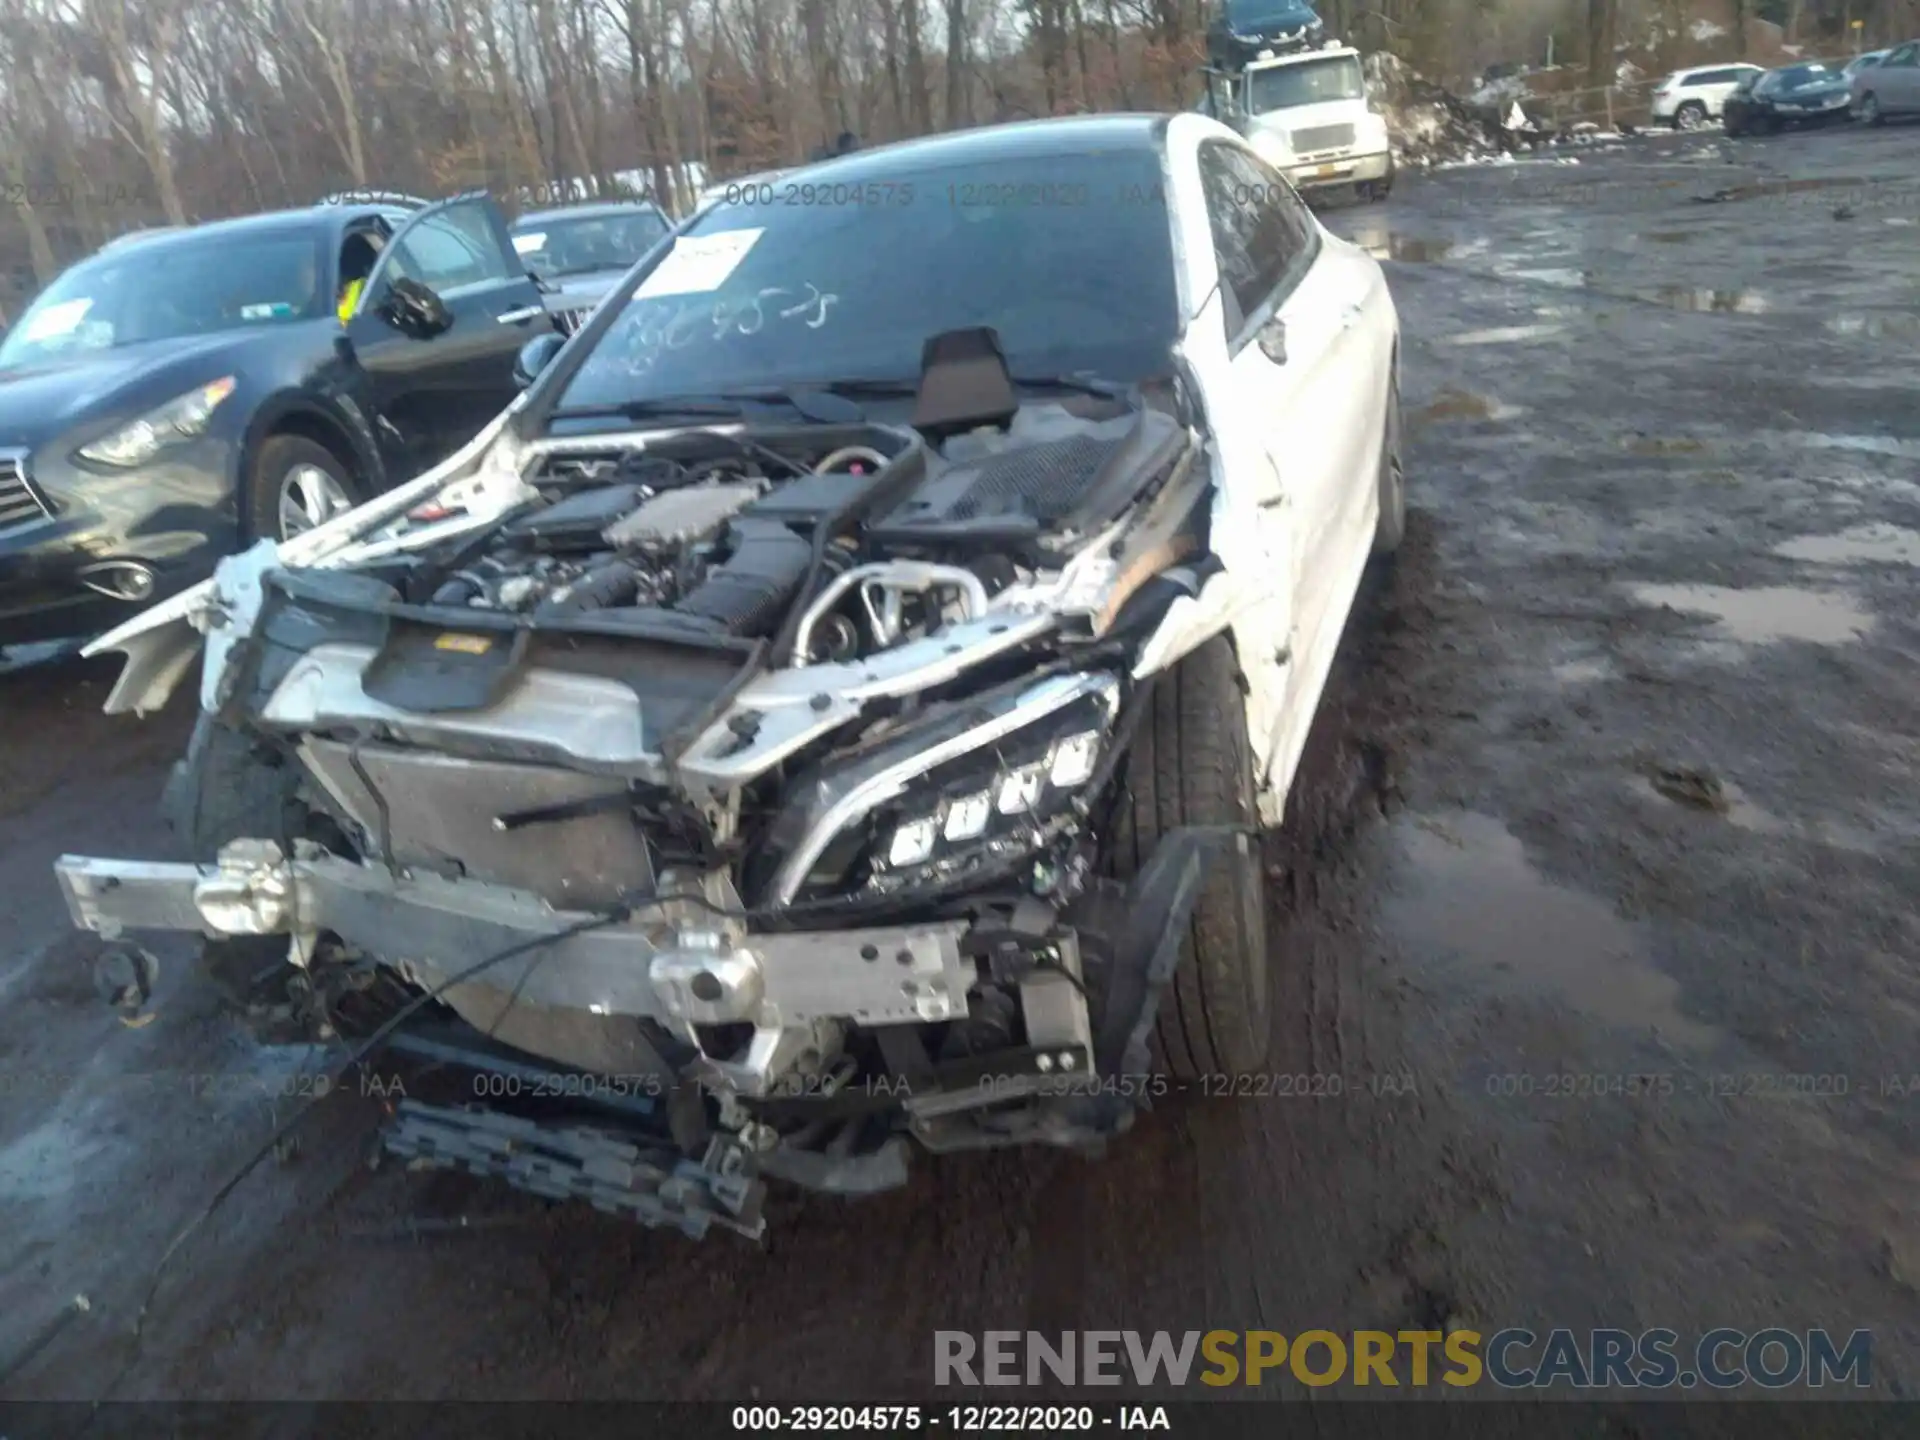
<point>1891,88</point>
<point>181,394</point>
<point>1688,99</point>
<point>580,252</point>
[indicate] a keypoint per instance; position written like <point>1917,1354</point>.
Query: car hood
<point>39,401</point>
<point>1814,94</point>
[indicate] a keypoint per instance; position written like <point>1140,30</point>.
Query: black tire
<point>1391,528</point>
<point>1870,111</point>
<point>1693,108</point>
<point>227,789</point>
<point>1191,764</point>
<point>277,458</point>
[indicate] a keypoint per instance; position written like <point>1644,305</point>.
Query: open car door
<point>435,330</point>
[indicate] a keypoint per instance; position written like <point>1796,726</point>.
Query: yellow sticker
<point>465,644</point>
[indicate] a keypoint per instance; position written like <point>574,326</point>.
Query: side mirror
<point>535,356</point>
<point>1273,340</point>
<point>415,308</point>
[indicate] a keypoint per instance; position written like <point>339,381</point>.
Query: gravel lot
<point>1617,778</point>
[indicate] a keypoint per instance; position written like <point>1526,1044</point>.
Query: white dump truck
<point>1306,113</point>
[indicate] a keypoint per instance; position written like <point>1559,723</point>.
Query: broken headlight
<point>988,779</point>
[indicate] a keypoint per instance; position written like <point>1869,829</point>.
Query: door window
<point>1905,55</point>
<point>451,249</point>
<point>1264,237</point>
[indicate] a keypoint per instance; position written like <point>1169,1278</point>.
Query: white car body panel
<point>1683,85</point>
<point>1294,457</point>
<point>1297,453</point>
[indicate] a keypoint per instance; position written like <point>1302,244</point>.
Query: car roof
<point>1058,136</point>
<point>1726,65</point>
<point>311,219</point>
<point>586,209</point>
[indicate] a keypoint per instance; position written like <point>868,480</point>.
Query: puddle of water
<point>1581,672</point>
<point>1503,335</point>
<point>1560,275</point>
<point>1778,187</point>
<point>1876,544</point>
<point>1669,237</point>
<point>1871,444</point>
<point>1874,327</point>
<point>1391,245</point>
<point>1476,897</point>
<point>1688,298</point>
<point>45,1163</point>
<point>1766,614</point>
<point>1701,302</point>
<point>1662,444</point>
<point>1452,404</point>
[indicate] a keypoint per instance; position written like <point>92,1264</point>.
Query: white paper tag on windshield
<point>698,264</point>
<point>522,244</point>
<point>61,319</point>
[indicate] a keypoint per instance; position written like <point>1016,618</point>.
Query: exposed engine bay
<point>771,763</point>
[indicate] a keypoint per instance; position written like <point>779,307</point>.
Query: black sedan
<point>177,396</point>
<point>1769,101</point>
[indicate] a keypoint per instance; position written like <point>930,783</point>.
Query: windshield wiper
<point>817,403</point>
<point>1079,382</point>
<point>691,405</point>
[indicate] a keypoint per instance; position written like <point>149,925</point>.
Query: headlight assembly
<point>987,780</point>
<point>140,440</point>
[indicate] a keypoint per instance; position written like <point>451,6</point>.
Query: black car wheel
<point>1870,111</point>
<point>296,485</point>
<point>1690,116</point>
<point>1391,528</point>
<point>1191,764</point>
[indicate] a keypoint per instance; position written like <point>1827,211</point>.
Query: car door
<point>1896,80</point>
<point>1289,303</point>
<point>435,385</point>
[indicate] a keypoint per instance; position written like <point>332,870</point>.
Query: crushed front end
<point>755,779</point>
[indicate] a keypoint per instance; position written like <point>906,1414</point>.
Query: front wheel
<point>1192,764</point>
<point>297,484</point>
<point>1391,528</point>
<point>1870,111</point>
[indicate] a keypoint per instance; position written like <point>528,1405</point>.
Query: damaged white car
<point>834,708</point>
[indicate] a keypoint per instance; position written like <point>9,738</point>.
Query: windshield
<point>170,290</point>
<point>1801,76</point>
<point>1269,14</point>
<point>577,245</point>
<point>1306,82</point>
<point>1068,257</point>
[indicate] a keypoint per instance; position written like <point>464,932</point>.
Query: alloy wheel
<point>309,497</point>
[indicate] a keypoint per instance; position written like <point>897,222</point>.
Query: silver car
<point>1890,88</point>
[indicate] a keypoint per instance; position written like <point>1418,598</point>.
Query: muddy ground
<point>1616,779</point>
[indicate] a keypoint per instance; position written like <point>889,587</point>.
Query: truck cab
<point>1307,114</point>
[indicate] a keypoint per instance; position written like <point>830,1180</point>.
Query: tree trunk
<point>959,95</point>
<point>917,94</point>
